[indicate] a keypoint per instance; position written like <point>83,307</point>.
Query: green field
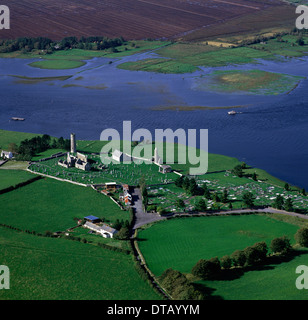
<point>252,81</point>
<point>183,57</point>
<point>119,172</point>
<point>12,177</point>
<point>57,269</point>
<point>158,65</point>
<point>46,154</point>
<point>273,282</point>
<point>75,58</point>
<point>50,205</point>
<point>180,243</point>
<point>57,64</point>
<point>7,137</point>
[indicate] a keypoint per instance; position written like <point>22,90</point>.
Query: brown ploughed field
<point>140,19</point>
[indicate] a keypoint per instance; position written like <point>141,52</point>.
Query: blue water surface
<point>271,132</point>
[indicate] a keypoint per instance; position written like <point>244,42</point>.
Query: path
<point>143,218</point>
<point>264,210</point>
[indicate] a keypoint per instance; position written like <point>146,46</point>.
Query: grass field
<point>252,81</point>
<point>47,153</point>
<point>274,282</point>
<point>183,57</point>
<point>12,177</point>
<point>57,269</point>
<point>119,172</point>
<point>181,243</point>
<point>76,58</point>
<point>52,205</point>
<point>7,137</point>
<point>158,65</point>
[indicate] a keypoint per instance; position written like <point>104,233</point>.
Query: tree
<point>288,205</point>
<point>279,202</point>
<point>301,237</point>
<point>193,187</point>
<point>215,197</point>
<point>226,262</point>
<point>254,177</point>
<point>186,183</point>
<point>248,199</point>
<point>303,192</point>
<point>237,170</point>
<point>179,181</point>
<point>261,250</point>
<point>180,204</point>
<point>225,195</point>
<point>287,187</point>
<point>179,287</point>
<point>251,256</point>
<point>201,206</point>
<point>142,184</point>
<point>300,41</point>
<point>123,234</point>
<point>207,269</point>
<point>239,258</point>
<point>280,245</point>
<point>13,147</point>
<point>207,194</point>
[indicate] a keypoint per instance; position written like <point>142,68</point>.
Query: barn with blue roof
<point>92,219</point>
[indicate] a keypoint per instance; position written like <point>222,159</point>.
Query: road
<point>141,217</point>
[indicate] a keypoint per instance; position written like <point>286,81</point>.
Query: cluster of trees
<point>278,36</point>
<point>282,204</point>
<point>26,44</point>
<point>144,193</point>
<point>124,229</point>
<point>189,185</point>
<point>250,256</point>
<point>179,287</point>
<point>90,43</point>
<point>30,147</point>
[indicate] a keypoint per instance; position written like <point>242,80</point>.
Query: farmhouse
<point>104,230</point>
<point>6,154</point>
<point>126,197</point>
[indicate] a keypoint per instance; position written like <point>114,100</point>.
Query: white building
<point>6,154</point>
<point>117,155</point>
<point>104,230</point>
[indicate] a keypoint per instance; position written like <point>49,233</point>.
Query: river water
<point>271,132</point>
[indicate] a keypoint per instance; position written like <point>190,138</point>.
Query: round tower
<point>73,143</point>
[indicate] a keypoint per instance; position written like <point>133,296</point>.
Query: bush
<point>280,245</point>
<point>226,262</point>
<point>301,237</point>
<point>123,234</point>
<point>207,269</point>
<point>239,258</point>
<point>178,286</point>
